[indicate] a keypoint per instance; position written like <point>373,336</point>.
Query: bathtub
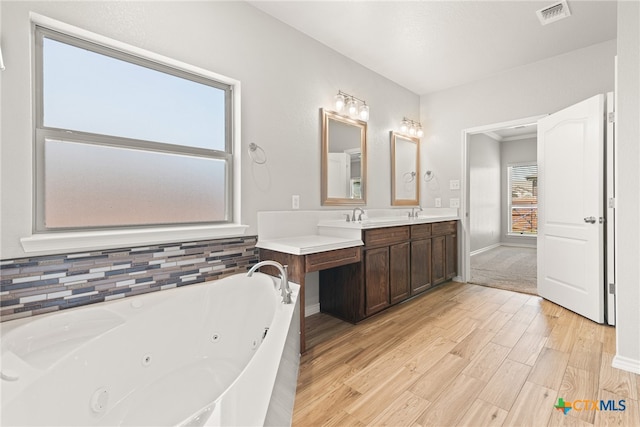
<point>224,352</point>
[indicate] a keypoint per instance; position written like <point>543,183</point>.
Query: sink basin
<point>382,221</point>
<point>385,221</point>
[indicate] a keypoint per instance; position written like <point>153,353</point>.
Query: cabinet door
<point>451,258</point>
<point>376,273</point>
<point>420,265</point>
<point>439,263</point>
<point>399,272</point>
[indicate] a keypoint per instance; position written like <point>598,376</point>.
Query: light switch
<point>454,203</point>
<point>438,202</point>
<point>454,184</point>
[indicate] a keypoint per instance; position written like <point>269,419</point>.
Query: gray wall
<point>286,78</point>
<point>519,151</point>
<point>485,210</point>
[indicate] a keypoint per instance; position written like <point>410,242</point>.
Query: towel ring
<point>408,177</point>
<point>255,148</point>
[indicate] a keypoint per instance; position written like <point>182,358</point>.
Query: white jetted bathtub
<point>224,352</point>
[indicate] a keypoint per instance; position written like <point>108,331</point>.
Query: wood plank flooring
<point>462,355</point>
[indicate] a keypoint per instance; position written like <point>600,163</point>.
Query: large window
<point>122,140</point>
<point>523,199</point>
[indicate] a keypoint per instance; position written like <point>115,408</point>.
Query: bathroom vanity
<point>363,266</point>
<point>397,263</point>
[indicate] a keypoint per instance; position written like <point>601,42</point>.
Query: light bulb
<point>339,101</point>
<point>404,126</point>
<point>352,107</point>
<point>412,130</point>
<point>420,132</point>
<point>364,112</point>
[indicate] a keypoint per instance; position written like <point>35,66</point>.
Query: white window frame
<point>42,240</point>
<point>511,233</point>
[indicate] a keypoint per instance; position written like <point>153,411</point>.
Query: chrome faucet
<point>285,291</point>
<point>353,214</point>
<point>414,213</point>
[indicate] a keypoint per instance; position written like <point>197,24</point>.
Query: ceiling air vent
<point>554,12</point>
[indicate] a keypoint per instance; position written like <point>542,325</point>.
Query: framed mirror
<point>405,170</point>
<point>344,160</point>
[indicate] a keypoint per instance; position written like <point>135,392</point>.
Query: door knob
<point>590,219</point>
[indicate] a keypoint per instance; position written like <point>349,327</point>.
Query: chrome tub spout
<point>285,291</point>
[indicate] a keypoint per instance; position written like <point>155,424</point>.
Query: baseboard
<point>311,309</point>
<point>519,245</point>
<point>626,364</point>
<point>485,249</point>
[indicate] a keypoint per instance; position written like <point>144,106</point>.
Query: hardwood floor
<point>463,355</point>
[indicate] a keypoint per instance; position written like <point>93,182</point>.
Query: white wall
<point>286,78</point>
<point>540,88</point>
<point>628,188</point>
<point>519,151</point>
<point>485,211</point>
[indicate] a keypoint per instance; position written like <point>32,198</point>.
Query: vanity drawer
<point>330,259</point>
<point>420,230</point>
<point>386,236</point>
<point>447,227</point>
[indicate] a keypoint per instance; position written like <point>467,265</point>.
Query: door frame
<point>465,238</point>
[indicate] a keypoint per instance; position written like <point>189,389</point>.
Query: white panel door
<point>571,208</point>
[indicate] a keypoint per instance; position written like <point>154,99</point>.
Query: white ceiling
<point>514,133</point>
<point>427,46</point>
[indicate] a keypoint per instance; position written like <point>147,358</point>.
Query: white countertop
<point>390,221</point>
<point>309,244</point>
<point>309,232</point>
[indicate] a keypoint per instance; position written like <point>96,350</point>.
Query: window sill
<point>531,236</point>
<point>86,240</point>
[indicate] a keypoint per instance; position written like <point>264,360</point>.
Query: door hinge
<point>612,288</point>
<point>611,117</point>
<point>612,202</point>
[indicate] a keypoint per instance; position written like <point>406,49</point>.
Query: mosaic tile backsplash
<point>32,286</point>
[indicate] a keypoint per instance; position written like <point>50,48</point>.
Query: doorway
<point>498,204</point>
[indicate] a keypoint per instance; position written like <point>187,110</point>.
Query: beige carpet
<point>506,267</point>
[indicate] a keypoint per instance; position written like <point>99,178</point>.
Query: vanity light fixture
<point>411,127</point>
<point>351,106</point>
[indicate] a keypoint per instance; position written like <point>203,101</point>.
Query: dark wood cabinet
<point>438,251</point>
<point>420,265</point>
<point>396,264</point>
<point>399,268</point>
<point>451,256</point>
<point>376,277</point>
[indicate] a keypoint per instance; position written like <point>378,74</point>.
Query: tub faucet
<point>353,214</point>
<point>285,291</point>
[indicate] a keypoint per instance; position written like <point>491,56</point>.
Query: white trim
<point>73,241</point>
<point>626,364</point>
<point>70,242</point>
<point>485,249</point>
<point>465,238</point>
<point>519,245</point>
<point>311,309</point>
<point>59,26</point>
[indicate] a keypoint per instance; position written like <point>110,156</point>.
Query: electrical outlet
<point>454,203</point>
<point>295,201</point>
<point>454,184</point>
<point>438,202</point>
